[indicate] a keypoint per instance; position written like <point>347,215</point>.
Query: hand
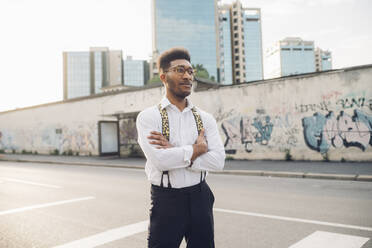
<point>157,138</point>
<point>201,139</point>
<point>200,147</point>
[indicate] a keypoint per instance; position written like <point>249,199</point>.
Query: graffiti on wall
<point>340,103</point>
<point>354,102</point>
<point>342,130</point>
<point>6,140</point>
<point>128,131</point>
<point>246,131</point>
<point>321,106</point>
<point>80,139</point>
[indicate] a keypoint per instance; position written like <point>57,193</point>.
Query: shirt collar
<point>165,103</point>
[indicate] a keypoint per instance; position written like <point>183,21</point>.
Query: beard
<point>175,90</point>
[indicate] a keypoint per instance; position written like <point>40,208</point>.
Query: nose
<point>187,75</point>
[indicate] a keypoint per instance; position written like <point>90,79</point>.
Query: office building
<point>225,53</point>
<point>240,43</point>
<point>89,72</point>
<point>290,56</point>
<point>190,24</point>
<point>136,72</point>
<point>323,60</point>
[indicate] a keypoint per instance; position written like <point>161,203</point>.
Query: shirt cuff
<point>188,151</point>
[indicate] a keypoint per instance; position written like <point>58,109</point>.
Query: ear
<point>162,77</point>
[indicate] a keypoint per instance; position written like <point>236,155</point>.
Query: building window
<point>309,49</point>
<point>236,43</point>
<point>236,50</point>
<point>235,20</point>
<point>237,73</point>
<point>236,28</point>
<point>236,35</point>
<point>224,19</point>
<point>286,49</point>
<point>236,57</point>
<point>236,65</point>
<point>297,49</point>
<point>237,80</point>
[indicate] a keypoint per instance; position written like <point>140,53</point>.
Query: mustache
<point>186,82</point>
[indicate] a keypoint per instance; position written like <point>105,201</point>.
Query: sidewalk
<point>299,169</point>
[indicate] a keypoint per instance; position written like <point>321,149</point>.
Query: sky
<point>33,35</point>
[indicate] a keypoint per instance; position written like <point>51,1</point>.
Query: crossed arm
<point>200,147</point>
<point>203,155</point>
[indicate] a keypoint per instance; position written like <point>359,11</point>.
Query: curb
<point>287,174</point>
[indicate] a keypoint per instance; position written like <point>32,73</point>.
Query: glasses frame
<point>173,68</point>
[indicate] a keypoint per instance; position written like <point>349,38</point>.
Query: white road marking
<point>31,183</point>
<point>320,239</point>
<point>17,210</point>
<point>108,236</point>
<point>294,219</point>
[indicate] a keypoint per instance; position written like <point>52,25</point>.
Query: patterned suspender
<point>166,133</point>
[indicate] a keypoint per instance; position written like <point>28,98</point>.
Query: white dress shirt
<point>183,134</point>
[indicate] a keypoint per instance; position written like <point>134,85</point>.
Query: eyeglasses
<point>181,70</point>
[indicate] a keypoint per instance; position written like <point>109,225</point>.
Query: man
<point>181,144</point>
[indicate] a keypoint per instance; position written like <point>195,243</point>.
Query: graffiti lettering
<point>331,95</point>
<point>320,132</point>
<point>265,128</point>
<point>351,102</point>
<point>246,131</point>
<point>221,115</point>
<point>303,108</point>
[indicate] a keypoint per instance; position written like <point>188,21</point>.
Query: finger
<point>155,137</point>
<point>155,132</point>
<point>155,142</point>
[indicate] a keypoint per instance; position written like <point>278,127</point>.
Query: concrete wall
<point>310,117</point>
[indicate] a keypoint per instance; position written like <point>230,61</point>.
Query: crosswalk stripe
<point>31,183</point>
<point>321,239</point>
<point>17,210</point>
<point>107,236</point>
<point>294,219</point>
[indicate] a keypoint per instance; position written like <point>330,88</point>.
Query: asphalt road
<point>45,205</point>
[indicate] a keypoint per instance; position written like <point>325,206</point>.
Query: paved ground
<point>300,169</point>
<point>50,205</point>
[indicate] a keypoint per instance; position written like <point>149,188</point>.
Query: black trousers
<point>178,213</point>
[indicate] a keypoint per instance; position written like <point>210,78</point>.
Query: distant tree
<point>155,79</point>
<point>201,72</point>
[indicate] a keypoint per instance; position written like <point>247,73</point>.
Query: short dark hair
<point>169,55</point>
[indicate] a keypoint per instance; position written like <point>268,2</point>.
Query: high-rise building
<point>190,24</point>
<point>225,53</point>
<point>240,43</point>
<point>136,72</point>
<point>252,44</point>
<point>323,60</point>
<point>290,56</point>
<point>87,73</point>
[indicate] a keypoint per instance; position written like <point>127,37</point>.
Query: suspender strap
<point>165,132</point>
<point>162,175</point>
<point>198,121</point>
<point>199,126</point>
